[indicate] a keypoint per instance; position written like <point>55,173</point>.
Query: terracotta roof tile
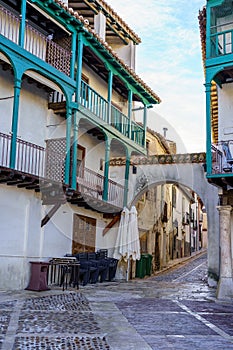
<point>105,44</point>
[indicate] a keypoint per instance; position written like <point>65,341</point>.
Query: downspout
<point>22,23</point>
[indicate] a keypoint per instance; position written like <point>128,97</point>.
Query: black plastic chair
<point>102,255</point>
<point>91,266</point>
<point>101,264</point>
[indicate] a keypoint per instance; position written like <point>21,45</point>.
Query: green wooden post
<point>208,128</point>
<point>126,187</point>
<point>79,67</point>
<point>68,134</point>
<point>73,54</point>
<point>74,154</point>
<point>208,25</point>
<point>106,168</point>
<point>75,115</point>
<point>14,125</point>
<point>110,78</point>
<point>144,125</point>
<point>130,98</point>
<point>22,23</point>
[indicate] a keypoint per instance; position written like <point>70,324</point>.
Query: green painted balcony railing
<point>49,51</point>
<point>94,102</point>
<point>32,159</point>
<point>222,157</point>
<point>221,43</point>
<point>35,42</point>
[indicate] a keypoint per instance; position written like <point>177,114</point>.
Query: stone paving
<point>172,310</point>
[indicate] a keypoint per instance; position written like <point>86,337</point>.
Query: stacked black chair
<point>102,266</point>
<point>102,255</point>
<point>91,266</point>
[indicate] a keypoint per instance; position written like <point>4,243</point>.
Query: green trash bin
<point>148,263</point>
<point>141,267</point>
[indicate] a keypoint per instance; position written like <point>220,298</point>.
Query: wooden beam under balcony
<point>58,107</point>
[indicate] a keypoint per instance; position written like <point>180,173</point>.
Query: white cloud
<point>169,61</point>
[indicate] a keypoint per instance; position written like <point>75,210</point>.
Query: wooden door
<point>84,233</point>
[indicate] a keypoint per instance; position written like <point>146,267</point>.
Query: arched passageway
<point>186,170</point>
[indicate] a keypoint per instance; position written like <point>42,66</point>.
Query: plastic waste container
<point>141,267</point>
<point>148,263</point>
<point>38,278</point>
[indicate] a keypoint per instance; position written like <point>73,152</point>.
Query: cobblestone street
<point>172,310</point>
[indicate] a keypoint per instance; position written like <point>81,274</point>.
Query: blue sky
<point>169,61</point>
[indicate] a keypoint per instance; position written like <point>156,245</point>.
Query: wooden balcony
<point>35,42</point>
<point>40,170</point>
<point>98,106</point>
<point>45,48</point>
<point>222,163</point>
<point>221,43</point>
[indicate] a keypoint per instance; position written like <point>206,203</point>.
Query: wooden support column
<point>14,125</point>
<point>74,154</point>
<point>79,68</point>
<point>126,187</point>
<point>68,143</point>
<point>73,54</point>
<point>106,168</point>
<point>208,128</point>
<point>130,98</point>
<point>22,23</point>
<point>144,125</point>
<point>110,78</point>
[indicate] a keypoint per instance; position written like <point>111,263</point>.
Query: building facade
<point>216,33</point>
<point>68,97</point>
<point>170,217</point>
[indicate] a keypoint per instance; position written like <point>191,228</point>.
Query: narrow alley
<point>173,310</point>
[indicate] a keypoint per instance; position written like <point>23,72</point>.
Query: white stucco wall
<point>225,123</point>
<point>6,90</point>
<point>101,87</point>
<point>127,53</point>
<point>23,239</point>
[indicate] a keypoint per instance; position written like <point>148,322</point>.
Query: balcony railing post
<point>106,169</point>
<point>14,125</point>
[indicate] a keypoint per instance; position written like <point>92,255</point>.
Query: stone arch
<point>192,176</point>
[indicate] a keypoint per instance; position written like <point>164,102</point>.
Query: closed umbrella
<point>121,241</point>
<point>127,243</point>
<point>133,234</point>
